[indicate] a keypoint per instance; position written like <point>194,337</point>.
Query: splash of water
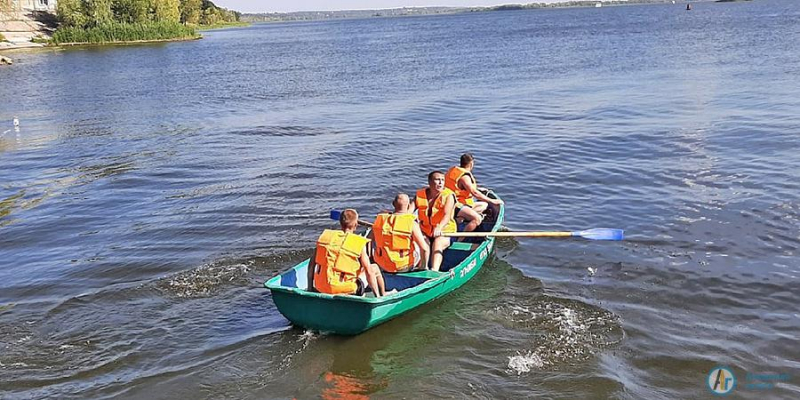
<point>305,339</point>
<point>522,363</point>
<point>563,331</point>
<point>204,281</point>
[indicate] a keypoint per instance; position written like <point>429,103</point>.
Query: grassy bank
<point>122,32</point>
<point>223,25</point>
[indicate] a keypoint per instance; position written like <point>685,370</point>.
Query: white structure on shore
<point>22,21</point>
<point>34,5</point>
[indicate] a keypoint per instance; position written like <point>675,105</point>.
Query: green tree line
<point>89,14</point>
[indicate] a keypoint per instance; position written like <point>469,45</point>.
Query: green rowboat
<point>351,315</point>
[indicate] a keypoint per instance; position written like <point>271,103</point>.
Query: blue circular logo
<point>721,380</point>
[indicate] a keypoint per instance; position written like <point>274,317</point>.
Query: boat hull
<point>351,315</point>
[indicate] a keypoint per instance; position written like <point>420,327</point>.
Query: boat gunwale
<point>273,283</point>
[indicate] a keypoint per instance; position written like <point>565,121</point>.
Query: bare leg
<point>425,256</point>
<point>373,284</point>
<point>429,242</point>
<point>379,275</point>
<point>440,244</point>
<point>480,206</point>
<point>375,280</point>
<point>472,216</point>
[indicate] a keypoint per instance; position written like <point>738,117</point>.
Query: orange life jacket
<point>451,179</point>
<point>394,247</point>
<point>429,218</point>
<point>338,258</point>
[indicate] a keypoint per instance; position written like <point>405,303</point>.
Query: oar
<point>591,234</point>
<point>336,214</point>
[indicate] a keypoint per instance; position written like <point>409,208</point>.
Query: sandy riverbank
<point>9,48</point>
<point>14,46</point>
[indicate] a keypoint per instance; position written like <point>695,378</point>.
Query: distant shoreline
<point>223,25</point>
<point>422,11</point>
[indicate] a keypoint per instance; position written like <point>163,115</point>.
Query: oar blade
<point>335,214</point>
<point>602,234</point>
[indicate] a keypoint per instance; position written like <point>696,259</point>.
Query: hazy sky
<point>325,5</point>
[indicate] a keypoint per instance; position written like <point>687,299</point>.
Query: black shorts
<point>360,289</point>
<point>458,209</point>
<point>431,239</point>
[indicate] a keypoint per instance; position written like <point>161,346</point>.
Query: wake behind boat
<point>351,315</point>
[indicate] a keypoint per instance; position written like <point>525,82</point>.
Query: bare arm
<point>449,208</point>
<point>467,183</point>
<point>422,245</point>
<point>373,273</point>
<point>364,260</point>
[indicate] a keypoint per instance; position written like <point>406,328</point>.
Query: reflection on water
<point>346,387</point>
<point>351,374</point>
<point>426,342</point>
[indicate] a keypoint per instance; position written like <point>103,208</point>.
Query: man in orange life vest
<point>460,180</point>
<point>435,209</point>
<point>340,264</point>
<point>399,243</point>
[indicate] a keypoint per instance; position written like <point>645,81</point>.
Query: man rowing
<point>340,264</point>
<point>435,209</point>
<point>399,244</point>
<point>462,182</point>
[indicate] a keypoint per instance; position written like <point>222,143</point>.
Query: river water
<point>151,190</point>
